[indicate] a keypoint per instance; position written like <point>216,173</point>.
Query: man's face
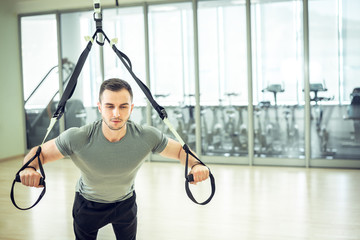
<point>115,108</point>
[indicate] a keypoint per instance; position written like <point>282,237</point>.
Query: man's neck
<point>113,135</point>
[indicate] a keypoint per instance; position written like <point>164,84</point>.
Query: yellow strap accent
<point>51,125</point>
<point>172,129</point>
<point>113,41</point>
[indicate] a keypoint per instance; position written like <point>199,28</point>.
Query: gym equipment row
<point>278,130</point>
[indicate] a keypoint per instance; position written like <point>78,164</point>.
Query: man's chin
<point>115,128</point>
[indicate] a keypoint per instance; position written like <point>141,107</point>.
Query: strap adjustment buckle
<point>97,11</point>
<point>98,22</point>
<point>162,112</point>
<point>59,112</point>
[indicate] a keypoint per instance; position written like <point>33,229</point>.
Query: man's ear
<point>99,106</point>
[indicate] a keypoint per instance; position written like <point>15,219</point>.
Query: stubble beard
<point>114,128</point>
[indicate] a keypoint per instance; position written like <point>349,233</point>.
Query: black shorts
<point>90,216</point>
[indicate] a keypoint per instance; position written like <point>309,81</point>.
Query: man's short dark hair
<point>115,84</point>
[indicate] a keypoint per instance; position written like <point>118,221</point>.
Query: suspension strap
<point>69,90</point>
<point>99,36</point>
<point>70,87</point>
<point>42,180</point>
<point>190,178</point>
<point>163,115</point>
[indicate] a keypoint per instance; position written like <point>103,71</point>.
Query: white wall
<point>12,126</point>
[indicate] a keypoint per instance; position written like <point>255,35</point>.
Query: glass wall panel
<point>277,55</point>
<point>172,66</point>
<point>349,38</point>
<point>81,108</point>
<point>334,85</point>
<point>277,40</point>
<point>223,77</point>
<point>40,74</point>
<point>127,24</point>
<point>324,76</point>
<point>350,78</point>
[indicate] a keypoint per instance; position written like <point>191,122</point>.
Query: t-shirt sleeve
<point>70,141</point>
<point>157,139</point>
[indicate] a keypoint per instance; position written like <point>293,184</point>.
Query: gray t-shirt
<point>108,169</point>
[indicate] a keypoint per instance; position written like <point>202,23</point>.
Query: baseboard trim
<point>12,158</point>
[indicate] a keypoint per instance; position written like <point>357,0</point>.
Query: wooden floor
<point>251,203</point>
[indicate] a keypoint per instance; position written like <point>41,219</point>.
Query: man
<point>108,153</point>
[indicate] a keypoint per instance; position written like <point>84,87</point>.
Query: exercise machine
<point>353,113</point>
<point>318,118</point>
<point>268,134</point>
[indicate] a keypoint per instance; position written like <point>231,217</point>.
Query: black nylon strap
<point>42,180</point>
<point>69,90</point>
<point>159,109</point>
<point>162,114</point>
<point>189,178</point>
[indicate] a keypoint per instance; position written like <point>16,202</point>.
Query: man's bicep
<point>172,149</point>
<point>50,152</point>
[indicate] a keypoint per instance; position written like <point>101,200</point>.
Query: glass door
<point>223,79</point>
<point>334,82</point>
<point>277,44</point>
<point>172,67</point>
<point>40,75</point>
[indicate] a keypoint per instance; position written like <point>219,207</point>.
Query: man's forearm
<point>192,160</point>
<point>28,156</point>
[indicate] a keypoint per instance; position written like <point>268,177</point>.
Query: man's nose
<point>116,112</point>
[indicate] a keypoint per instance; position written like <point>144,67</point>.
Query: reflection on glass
<point>277,79</point>
<point>351,77</point>
<point>223,78</point>
<point>39,52</point>
<point>323,65</point>
<point>350,48</point>
<point>334,87</point>
<point>40,74</point>
<point>172,66</point>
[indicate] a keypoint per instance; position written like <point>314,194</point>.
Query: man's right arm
<point>49,153</point>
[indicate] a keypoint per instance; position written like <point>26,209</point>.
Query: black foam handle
<point>190,178</point>
<point>41,183</point>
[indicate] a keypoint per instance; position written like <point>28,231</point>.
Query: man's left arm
<point>174,150</point>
